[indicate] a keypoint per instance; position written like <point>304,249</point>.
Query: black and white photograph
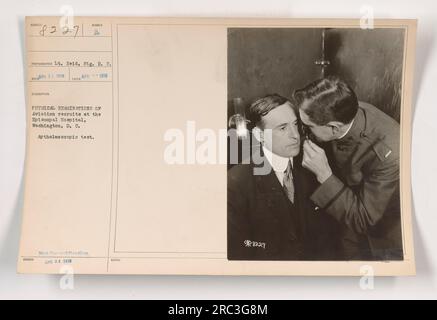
<point>314,118</point>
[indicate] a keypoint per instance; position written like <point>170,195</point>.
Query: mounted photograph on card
<point>209,146</point>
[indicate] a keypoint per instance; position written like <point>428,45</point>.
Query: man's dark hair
<point>326,100</point>
<point>262,106</point>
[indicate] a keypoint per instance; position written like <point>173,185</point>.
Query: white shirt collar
<point>278,163</point>
<point>350,126</point>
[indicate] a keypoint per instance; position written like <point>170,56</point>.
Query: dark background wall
<point>262,61</point>
<point>371,61</point>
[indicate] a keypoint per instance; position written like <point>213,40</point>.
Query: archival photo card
<point>210,146</point>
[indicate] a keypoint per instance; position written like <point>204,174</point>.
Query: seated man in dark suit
<point>270,216</point>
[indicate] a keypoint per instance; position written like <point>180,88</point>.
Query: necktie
<point>288,184</point>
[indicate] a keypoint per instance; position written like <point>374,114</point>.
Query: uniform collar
<point>357,128</point>
<point>348,129</point>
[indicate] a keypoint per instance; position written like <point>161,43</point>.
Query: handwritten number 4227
<point>52,29</point>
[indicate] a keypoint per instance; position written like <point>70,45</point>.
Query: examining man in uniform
<point>356,166</point>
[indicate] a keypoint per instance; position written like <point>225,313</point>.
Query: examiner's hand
<point>314,159</point>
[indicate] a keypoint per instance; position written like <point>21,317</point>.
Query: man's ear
<point>259,134</point>
<point>336,127</point>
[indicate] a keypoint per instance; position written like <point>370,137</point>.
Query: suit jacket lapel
<point>301,178</point>
<point>270,190</point>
